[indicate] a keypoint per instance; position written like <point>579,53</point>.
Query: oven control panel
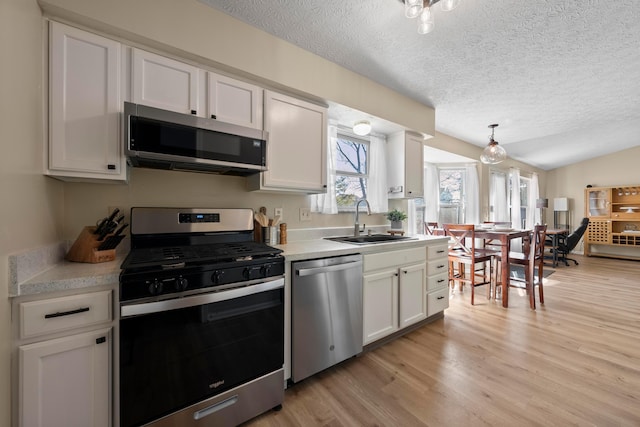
<point>164,282</point>
<point>193,218</point>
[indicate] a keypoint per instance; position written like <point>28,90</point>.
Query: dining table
<point>503,238</point>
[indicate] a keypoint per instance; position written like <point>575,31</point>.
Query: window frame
<point>461,215</point>
<point>351,137</point>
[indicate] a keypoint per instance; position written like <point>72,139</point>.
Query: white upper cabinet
<point>234,101</point>
<point>84,106</point>
<point>405,167</point>
<point>296,148</point>
<point>165,83</point>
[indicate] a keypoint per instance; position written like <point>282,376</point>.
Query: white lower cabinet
<point>437,279</point>
<point>394,286</point>
<point>65,377</point>
<point>66,382</point>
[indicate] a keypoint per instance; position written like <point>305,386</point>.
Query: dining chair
<point>429,227</point>
<point>463,252</point>
<point>532,259</point>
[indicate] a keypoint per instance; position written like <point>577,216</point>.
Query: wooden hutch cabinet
<point>614,222</point>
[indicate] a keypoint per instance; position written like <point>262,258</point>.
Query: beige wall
<point>619,168</point>
<point>32,205</point>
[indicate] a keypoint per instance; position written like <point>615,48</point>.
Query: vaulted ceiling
<point>561,77</point>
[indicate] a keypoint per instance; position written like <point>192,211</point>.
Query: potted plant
<point>396,217</point>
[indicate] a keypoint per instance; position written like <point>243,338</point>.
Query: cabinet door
<point>405,166</point>
<point>233,101</point>
<point>165,83</point>
<point>84,105</point>
<point>437,301</point>
<point>66,382</point>
<point>412,294</point>
<point>598,202</point>
<point>380,304</point>
<point>414,165</point>
<point>296,150</point>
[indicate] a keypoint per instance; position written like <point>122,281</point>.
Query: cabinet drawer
<point>437,251</point>
<point>437,301</point>
<point>436,267</point>
<point>393,259</point>
<point>438,281</point>
<point>59,314</point>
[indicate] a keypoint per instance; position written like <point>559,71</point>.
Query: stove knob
<point>265,270</point>
<point>181,284</point>
<point>155,287</point>
<point>246,273</point>
<point>216,277</point>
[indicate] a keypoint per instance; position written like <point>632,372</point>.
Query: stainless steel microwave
<point>161,139</point>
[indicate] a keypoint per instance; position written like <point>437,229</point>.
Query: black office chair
<point>566,244</point>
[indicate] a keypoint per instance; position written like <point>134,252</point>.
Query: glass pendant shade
<point>449,5</point>
<point>493,154</point>
<point>412,8</point>
<point>426,23</point>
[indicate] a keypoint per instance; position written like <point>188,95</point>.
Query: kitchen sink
<point>366,240</point>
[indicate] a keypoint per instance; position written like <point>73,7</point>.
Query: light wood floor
<point>573,361</point>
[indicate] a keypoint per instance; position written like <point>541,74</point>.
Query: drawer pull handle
<point>66,313</point>
<point>101,340</point>
<point>440,298</point>
<point>440,252</point>
<point>441,280</point>
<point>441,266</point>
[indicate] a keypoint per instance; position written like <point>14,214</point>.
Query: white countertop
<point>67,275</point>
<point>320,248</point>
<point>71,275</point>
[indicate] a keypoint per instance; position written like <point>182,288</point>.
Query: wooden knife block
<point>257,231</point>
<point>85,248</point>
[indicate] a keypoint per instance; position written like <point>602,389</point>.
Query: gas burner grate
<point>199,254</point>
<point>172,253</point>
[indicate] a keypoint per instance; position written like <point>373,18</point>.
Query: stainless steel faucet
<point>356,224</point>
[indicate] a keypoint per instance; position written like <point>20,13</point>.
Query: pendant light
<point>423,9</point>
<point>493,153</point>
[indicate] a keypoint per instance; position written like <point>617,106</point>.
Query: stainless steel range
<point>201,320</point>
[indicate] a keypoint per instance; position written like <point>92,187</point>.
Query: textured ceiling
<point>561,77</point>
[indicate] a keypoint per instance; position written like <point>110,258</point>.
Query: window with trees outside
<point>451,199</point>
<point>525,185</point>
<point>451,196</point>
<point>351,171</point>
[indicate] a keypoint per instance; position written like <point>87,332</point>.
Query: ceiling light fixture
<point>422,8</point>
<point>493,153</point>
<point>363,127</point>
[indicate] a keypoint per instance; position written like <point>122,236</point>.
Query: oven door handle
<point>201,299</point>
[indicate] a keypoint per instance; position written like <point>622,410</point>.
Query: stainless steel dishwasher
<point>326,313</point>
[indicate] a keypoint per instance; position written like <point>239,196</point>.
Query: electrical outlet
<point>278,212</point>
<point>305,214</point>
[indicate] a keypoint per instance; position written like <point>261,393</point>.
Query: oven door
<point>177,352</point>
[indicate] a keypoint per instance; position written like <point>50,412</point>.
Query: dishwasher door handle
<point>327,269</point>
